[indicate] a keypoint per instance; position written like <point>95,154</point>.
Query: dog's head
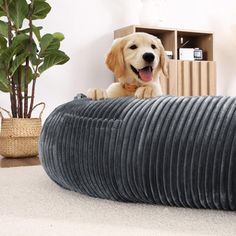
<point>140,56</point>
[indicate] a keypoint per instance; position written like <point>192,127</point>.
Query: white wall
<point>88,27</point>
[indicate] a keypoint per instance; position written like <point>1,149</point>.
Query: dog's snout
<point>148,57</point>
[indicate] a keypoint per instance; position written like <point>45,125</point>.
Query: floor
<point>15,162</point>
<point>33,205</point>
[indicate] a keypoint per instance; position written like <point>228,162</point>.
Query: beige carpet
<point>31,204</point>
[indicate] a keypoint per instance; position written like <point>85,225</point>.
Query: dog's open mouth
<point>144,74</point>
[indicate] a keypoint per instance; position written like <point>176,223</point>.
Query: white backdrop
<point>88,28</point>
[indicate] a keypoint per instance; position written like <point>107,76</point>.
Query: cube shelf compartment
<point>185,78</point>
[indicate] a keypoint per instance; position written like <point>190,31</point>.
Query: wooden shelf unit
<point>186,78</point>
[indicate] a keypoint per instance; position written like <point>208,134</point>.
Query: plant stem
<point>26,115</point>
<point>19,89</point>
<point>13,86</point>
<point>14,113</point>
<point>26,88</point>
<point>20,105</point>
<point>13,98</point>
<point>32,98</point>
<point>33,91</point>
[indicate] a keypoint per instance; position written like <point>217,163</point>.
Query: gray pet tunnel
<point>178,151</point>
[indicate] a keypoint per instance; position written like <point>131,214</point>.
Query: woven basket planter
<point>19,136</point>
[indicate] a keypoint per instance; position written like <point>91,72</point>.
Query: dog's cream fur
<point>119,61</point>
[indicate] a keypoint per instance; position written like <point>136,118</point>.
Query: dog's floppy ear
<point>115,58</point>
<point>163,59</point>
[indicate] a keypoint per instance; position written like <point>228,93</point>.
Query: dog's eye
<point>133,47</point>
<point>153,46</point>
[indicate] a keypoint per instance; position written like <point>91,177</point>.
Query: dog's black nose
<point>148,57</point>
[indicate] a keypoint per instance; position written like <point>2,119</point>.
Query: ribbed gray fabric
<point>178,151</point>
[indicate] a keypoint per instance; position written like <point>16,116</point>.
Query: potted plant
<point>24,56</point>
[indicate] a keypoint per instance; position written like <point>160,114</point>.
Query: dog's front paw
<point>96,94</point>
<point>145,92</point>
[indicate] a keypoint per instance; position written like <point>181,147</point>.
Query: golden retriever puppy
<point>136,61</point>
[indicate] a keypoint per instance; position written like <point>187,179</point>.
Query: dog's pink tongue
<point>145,74</point>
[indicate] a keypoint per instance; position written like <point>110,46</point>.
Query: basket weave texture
<point>19,137</point>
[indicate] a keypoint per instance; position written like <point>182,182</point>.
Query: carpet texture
<point>32,205</point>
<point>178,151</point>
